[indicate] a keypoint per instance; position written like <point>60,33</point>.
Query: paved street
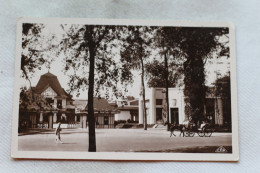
<point>123,140</point>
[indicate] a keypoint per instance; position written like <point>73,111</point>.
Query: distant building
<point>80,105</point>
<point>103,111</point>
<point>127,109</point>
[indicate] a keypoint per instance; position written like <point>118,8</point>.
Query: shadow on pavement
<point>205,149</point>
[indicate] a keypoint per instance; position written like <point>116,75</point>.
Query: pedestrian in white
<point>57,133</point>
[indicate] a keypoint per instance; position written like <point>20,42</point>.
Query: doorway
<point>158,114</point>
<point>175,115</point>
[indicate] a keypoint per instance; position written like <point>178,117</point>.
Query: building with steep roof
<point>59,109</point>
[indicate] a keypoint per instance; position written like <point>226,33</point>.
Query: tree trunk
<point>167,88</point>
<point>194,87</point>
<point>91,117</point>
<point>144,106</point>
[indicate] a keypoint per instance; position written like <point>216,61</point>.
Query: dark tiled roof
<point>127,108</point>
<point>51,80</point>
<point>136,103</point>
<point>78,102</point>
<point>101,104</point>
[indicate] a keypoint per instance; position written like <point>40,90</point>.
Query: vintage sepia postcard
<point>98,89</point>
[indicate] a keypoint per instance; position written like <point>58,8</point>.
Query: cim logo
<point>221,149</point>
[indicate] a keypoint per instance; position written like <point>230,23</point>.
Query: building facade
<point>103,111</point>
<point>156,107</point>
<point>127,109</point>
<point>59,107</point>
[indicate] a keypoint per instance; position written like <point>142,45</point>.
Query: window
<point>159,101</point>
<point>50,100</point>
<point>46,118</point>
<point>78,118</point>
<point>59,104</point>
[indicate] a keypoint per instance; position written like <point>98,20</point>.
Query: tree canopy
<point>36,49</point>
<point>155,74</point>
<point>135,52</point>
<point>77,47</point>
<point>197,45</point>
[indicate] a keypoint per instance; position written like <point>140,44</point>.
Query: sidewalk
<point>121,140</point>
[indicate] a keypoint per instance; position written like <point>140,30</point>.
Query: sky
<point>220,65</point>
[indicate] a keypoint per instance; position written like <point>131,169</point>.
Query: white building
<point>156,107</point>
<point>156,112</point>
<point>127,109</point>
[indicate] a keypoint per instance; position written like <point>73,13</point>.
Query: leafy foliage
<point>35,49</point>
<point>156,77</point>
<point>136,46</point>
<point>197,45</point>
<point>223,89</point>
<point>76,47</point>
<point>167,42</point>
<point>136,50</point>
<point>29,101</point>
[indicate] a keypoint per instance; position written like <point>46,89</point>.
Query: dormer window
<point>49,92</point>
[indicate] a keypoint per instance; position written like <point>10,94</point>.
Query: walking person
<point>57,133</point>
